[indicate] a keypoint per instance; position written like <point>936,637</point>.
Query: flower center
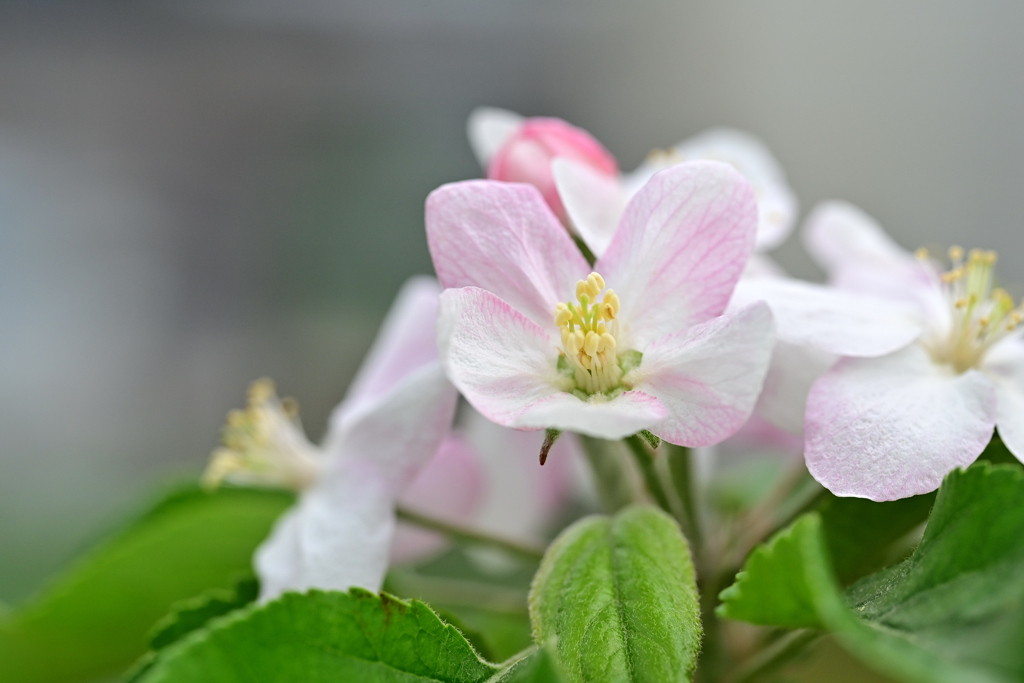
<point>589,327</point>
<point>981,314</point>
<point>264,445</point>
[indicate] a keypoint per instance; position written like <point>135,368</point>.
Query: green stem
<point>472,536</point>
<point>774,656</point>
<point>645,460</point>
<point>611,478</point>
<point>680,467</point>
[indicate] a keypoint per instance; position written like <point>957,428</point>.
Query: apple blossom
<point>390,425</point>
<point>891,423</point>
<point>520,150</point>
<point>535,338</point>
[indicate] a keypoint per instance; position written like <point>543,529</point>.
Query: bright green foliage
<point>324,636</point>
<point>953,612</point>
<point>775,587</point>
<point>95,619</point>
<point>617,599</point>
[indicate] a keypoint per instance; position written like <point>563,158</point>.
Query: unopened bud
<point>527,154</point>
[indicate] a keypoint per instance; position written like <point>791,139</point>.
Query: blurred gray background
<point>196,193</point>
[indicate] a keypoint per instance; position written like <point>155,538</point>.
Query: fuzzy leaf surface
<point>617,600</point>
<point>324,637</point>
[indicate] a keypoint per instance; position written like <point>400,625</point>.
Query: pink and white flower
<point>391,424</point>
<point>595,195</point>
<point>532,339</point>
<point>934,361</point>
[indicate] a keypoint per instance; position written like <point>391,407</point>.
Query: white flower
<point>389,427</point>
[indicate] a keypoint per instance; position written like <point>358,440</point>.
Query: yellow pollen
<point>981,314</point>
<point>588,328</point>
<point>264,444</point>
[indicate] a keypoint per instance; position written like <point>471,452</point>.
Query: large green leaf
<point>952,612</point>
<point>617,599</point>
<point>324,636</point>
<point>95,619</point>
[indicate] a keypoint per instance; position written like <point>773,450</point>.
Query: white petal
<point>892,427</point>
<point>407,341</point>
<point>488,128</point>
<point>336,537</point>
<point>401,432</point>
<point>1004,365</point>
<point>594,201</point>
<point>833,320</point>
<point>791,374</point>
<point>619,417</point>
<point>709,376</point>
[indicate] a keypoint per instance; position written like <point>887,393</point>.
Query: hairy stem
<point>645,461</point>
<point>468,535</point>
<point>612,478</point>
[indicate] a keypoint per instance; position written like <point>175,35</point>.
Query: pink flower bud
<point>526,156</point>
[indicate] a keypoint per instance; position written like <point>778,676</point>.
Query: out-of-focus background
<point>196,193</point>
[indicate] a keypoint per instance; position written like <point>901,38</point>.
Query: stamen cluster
<point>981,314</point>
<point>264,444</point>
<point>589,327</point>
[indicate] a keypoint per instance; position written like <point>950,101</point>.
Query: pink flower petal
<point>402,431</point>
<point>450,487</point>
<point>709,376</point>
<point>407,341</point>
<point>684,241</point>
<point>521,497</point>
<point>776,203</point>
<point>488,128</point>
<point>500,360</point>
<point>1004,365</point>
<point>594,201</point>
<point>619,417</point>
<point>892,427</point>
<point>833,320</point>
<point>336,537</point>
<point>503,238</point>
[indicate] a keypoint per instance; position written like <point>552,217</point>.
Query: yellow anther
<point>956,253</point>
<point>953,275</point>
<point>921,254</point>
<point>588,328</point>
<point>961,303</point>
<point>611,301</point>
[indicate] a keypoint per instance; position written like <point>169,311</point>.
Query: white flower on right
<point>893,425</point>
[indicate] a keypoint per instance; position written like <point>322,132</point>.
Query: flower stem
<point>613,480</point>
<point>774,656</point>
<point>467,535</point>
<point>645,460</point>
<point>680,467</point>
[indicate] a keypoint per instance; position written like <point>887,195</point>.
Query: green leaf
<point>192,614</point>
<point>325,636</point>
<point>95,619</point>
<point>617,599</point>
<point>953,612</point>
<point>861,534</point>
